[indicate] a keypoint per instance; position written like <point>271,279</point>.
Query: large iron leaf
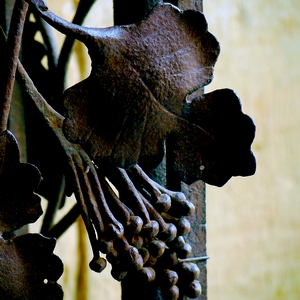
<point>139,93</point>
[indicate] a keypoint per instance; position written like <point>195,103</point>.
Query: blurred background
<point>253,223</point>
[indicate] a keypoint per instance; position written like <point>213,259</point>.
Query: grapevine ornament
<point>132,227</point>
<point>143,90</point>
<point>140,91</point>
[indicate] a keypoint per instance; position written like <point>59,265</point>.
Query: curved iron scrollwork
<point>145,87</point>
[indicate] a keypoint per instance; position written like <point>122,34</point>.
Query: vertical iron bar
<point>13,47</point>
<point>194,193</point>
<point>126,12</point>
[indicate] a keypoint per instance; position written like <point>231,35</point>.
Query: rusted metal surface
<point>17,181</point>
<point>145,88</point>
<point>29,269</point>
<point>197,235</point>
<point>14,43</point>
<point>131,228</point>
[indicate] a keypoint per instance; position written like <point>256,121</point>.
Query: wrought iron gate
<point>139,124</point>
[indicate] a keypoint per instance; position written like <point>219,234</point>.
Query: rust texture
<point>29,269</point>
<point>142,102</point>
<point>132,229</point>
<point>196,237</point>
<point>14,43</point>
<point>140,91</point>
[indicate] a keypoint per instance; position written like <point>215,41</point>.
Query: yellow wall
<point>253,223</point>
